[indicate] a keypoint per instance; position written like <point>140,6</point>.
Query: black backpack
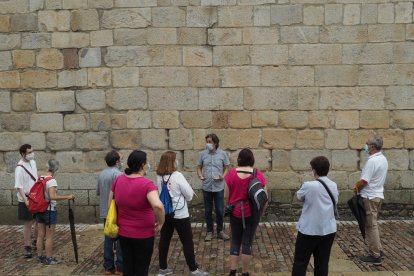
<point>256,194</point>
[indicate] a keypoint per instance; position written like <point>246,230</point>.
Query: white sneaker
<point>166,271</point>
<point>200,272</point>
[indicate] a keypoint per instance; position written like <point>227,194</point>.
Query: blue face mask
<point>366,148</point>
<point>209,147</point>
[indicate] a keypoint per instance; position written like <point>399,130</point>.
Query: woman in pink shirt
<point>137,201</point>
<point>235,193</point>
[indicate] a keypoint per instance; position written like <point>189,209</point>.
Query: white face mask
<point>30,156</point>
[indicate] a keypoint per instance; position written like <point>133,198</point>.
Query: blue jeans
<point>110,245</point>
<point>218,198</point>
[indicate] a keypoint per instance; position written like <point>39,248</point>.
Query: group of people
<point>141,213</point>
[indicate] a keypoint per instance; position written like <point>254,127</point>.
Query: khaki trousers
<point>372,208</point>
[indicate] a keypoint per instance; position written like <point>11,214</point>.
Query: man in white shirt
<point>371,189</point>
<point>25,176</point>
<point>317,223</point>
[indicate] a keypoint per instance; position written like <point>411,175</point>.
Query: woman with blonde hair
<point>180,192</point>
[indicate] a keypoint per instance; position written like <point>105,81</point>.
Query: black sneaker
<point>34,244</point>
<point>41,259</point>
<point>50,261</point>
<point>27,252</point>
<point>371,260</point>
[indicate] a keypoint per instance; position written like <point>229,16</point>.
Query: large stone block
<point>156,139</point>
<point>403,12</point>
<point>198,16</point>
<point>164,76</point>
<point>299,34</point>
<point>51,122</point>
<point>95,161</point>
<point>240,119</point>
<point>313,15</point>
<point>269,54</point>
<point>138,119</point>
<point>14,122</point>
<point>370,53</point>
<point>180,139</point>
<point>5,101</point>
<point>90,57</point>
<point>344,34</point>
<point>264,118</point>
<point>218,2</point>
<point>130,37</point>
<point>224,36</point>
<point>204,77</point>
<point>397,197</point>
<point>321,119</point>
<point>369,13</point>
<point>126,98</point>
<point>6,197</point>
<point>125,139</point>
<point>386,13</point>
<point>220,119</point>
<point>70,161</point>
<point>344,160</point>
<point>403,52</point>
<point>24,101</point>
<point>293,119</point>
<point>357,138</point>
<point>310,139</point>
<point>283,181</point>
<point>374,119</point>
<point>4,23</point>
<point>91,99</point>
<point>261,15</point>
<point>393,138</point>
<point>126,18</point>
<point>300,159</point>
<point>264,98</point>
<point>399,97</point>
<point>75,122</point>
<point>229,138</point>
<point>173,56</point>
<point>235,16</point>
<point>70,78</point>
<point>23,58</point>
<point>100,121</point>
<point>197,56</point>
<point>278,138</point>
<point>287,76</point>
<point>407,180</point>
<point>238,76</point>
<point>352,14</point>
<point>162,35</point>
<point>50,21</point>
<point>190,160</point>
<point>55,101</point>
<point>118,121</point>
<point>84,20</point>
<point>336,139</point>
<point>74,4</point>
<point>257,35</point>
<point>196,119</point>
<point>24,22</point>
<point>352,98</point>
<point>5,61</point>
<point>60,141</point>
<point>347,119</point>
<point>99,77</point>
<point>165,119</point>
<point>168,17</point>
<point>9,79</point>
<point>125,76</point>
<point>308,98</point>
<point>11,41</point>
<point>134,3</point>
<point>9,141</point>
<point>286,14</point>
<point>280,160</point>
<point>333,14</point>
<point>172,99</point>
<point>70,40</point>
<point>36,40</point>
<point>102,38</point>
<point>71,58</point>
<point>39,79</point>
<point>92,141</point>
<point>251,138</point>
<point>386,32</point>
<point>231,55</point>
<point>221,99</point>
<point>336,75</point>
<point>191,36</point>
<point>310,54</point>
<point>49,59</point>
<point>386,74</point>
<point>409,142</point>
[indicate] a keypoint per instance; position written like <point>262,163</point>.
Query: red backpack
<point>36,196</point>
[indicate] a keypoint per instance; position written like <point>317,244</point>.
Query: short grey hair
<point>52,165</point>
<point>377,142</point>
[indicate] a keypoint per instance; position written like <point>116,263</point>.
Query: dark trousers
<point>218,199</point>
<point>242,236</point>
<point>319,246</point>
<point>183,227</point>
<point>137,255</point>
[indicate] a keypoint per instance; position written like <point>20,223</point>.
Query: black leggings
<point>137,255</point>
<point>242,237</point>
<point>183,227</point>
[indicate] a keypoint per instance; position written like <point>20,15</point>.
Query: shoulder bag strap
<point>29,173</point>
<point>330,195</point>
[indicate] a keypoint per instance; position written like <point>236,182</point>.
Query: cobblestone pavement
<point>273,251</point>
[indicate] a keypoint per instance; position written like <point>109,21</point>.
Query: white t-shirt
<point>51,183</point>
<point>180,192</point>
<point>374,173</point>
<point>317,218</point>
<point>22,179</point>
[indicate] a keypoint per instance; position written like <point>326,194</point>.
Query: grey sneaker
<point>50,261</point>
<point>223,236</point>
<point>371,260</point>
<point>209,236</point>
<point>199,272</point>
<point>166,271</point>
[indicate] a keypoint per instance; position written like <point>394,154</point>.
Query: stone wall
<point>290,79</point>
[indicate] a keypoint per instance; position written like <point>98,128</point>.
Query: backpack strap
<point>331,196</point>
<point>29,173</point>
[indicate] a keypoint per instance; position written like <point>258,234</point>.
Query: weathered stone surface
<point>90,57</point>
<point>49,20</point>
<point>402,119</point>
<point>23,58</point>
<point>60,141</point>
<point>55,101</point>
<point>4,23</point>
<point>125,139</point>
<point>308,98</point>
<point>99,77</point>
<point>24,101</point>
<point>36,40</point>
<point>344,34</point>
<point>5,102</point>
<point>235,16</point>
<point>154,139</point>
<point>221,99</point>
<point>386,13</point>
<point>173,56</point>
<point>130,36</point>
<point>92,141</point>
<point>369,13</point>
<point>269,54</point>
<point>336,139</point>
<point>352,14</point>
<point>134,3</point>
<point>192,36</point>
<point>201,16</point>
<point>283,181</point>
<point>299,159</point>
<point>287,76</point>
<point>261,15</point>
<point>102,38</point>
<point>231,55</point>
<point>125,76</point>
<point>374,119</point>
<point>333,14</point>
<point>321,119</point>
<point>84,20</point>
<point>49,59</point>
<point>299,34</point>
<point>196,119</point>
<point>74,4</point>
<point>168,17</point>
<point>197,56</point>
<point>71,58</point>
<point>24,22</point>
<point>203,77</point>
<point>165,119</point>
<point>313,15</point>
<point>393,138</point>
<point>399,97</point>
<point>180,139</point>
<point>229,138</point>
<point>39,79</point>
<point>9,141</point>
<point>134,56</point>
<point>95,161</point>
<point>306,54</point>
<point>404,12</point>
<point>293,119</point>
<point>9,42</point>
<point>118,121</point>
<point>91,99</point>
<point>386,32</point>
<point>9,79</point>
<point>70,78</point>
<point>251,138</point>
<point>347,119</point>
<point>14,122</point>
<point>397,159</point>
<point>172,98</point>
<point>403,52</point>
<point>100,121</point>
<point>162,36</point>
<point>264,98</point>
<point>5,61</point>
<point>264,118</point>
<point>368,53</point>
<point>286,14</point>
<point>224,36</point>
<point>138,119</point>
<point>336,75</point>
<point>75,122</point>
<point>310,139</point>
<point>257,35</point>
<point>280,160</point>
<point>239,76</point>
<point>409,140</point>
<point>70,40</point>
<point>51,122</point>
<point>127,98</point>
<point>164,76</point>
<point>357,138</point>
<point>278,138</point>
<point>70,161</point>
<point>344,160</point>
<point>352,98</point>
<point>240,119</point>
<point>220,119</point>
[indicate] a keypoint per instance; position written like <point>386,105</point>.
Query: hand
<point>71,197</point>
<point>218,178</point>
<point>26,202</point>
<point>157,227</point>
<point>201,177</point>
<point>359,185</point>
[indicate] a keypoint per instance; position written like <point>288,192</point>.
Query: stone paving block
<point>172,98</point>
<point>240,119</point>
<point>8,42</point>
<point>99,77</point>
<point>49,20</point>
<point>126,98</point>
<point>70,78</point>
<point>84,20</point>
<point>95,161</point>
<point>220,99</point>
<point>55,101</point>
<point>224,36</point>
<point>283,180</point>
<point>75,122</point>
<point>91,99</point>
<point>18,6</point>
<point>173,56</point>
<point>39,79</point>
<point>168,17</point>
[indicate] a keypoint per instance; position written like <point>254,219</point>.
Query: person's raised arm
<point>158,208</point>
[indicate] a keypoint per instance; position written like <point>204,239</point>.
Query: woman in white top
<point>180,192</point>
<point>317,223</point>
